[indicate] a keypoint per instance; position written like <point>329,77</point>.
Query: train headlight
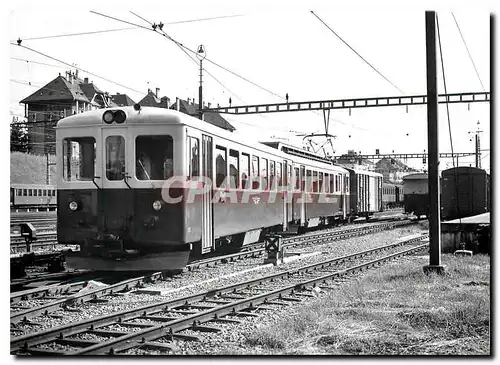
<point>108,117</point>
<point>73,206</point>
<point>157,205</point>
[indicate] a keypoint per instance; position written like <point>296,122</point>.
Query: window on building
<point>154,157</point>
<point>79,163</point>
<point>234,168</point>
<point>220,165</point>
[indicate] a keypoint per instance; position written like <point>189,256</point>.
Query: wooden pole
<point>432,140</point>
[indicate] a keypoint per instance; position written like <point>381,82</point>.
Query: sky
<point>280,48</point>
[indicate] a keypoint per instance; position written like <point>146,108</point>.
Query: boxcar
<point>465,192</point>
<point>366,192</point>
<point>416,194</point>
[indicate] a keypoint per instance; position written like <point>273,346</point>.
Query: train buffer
<point>274,248</point>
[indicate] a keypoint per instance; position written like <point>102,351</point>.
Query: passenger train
<point>144,188</point>
<point>26,196</point>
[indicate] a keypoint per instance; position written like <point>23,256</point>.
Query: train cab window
<point>194,157</point>
<point>115,158</point>
<point>79,158</point>
<point>154,157</point>
<point>234,168</point>
<point>255,172</point>
<point>264,174</point>
<point>245,169</point>
<point>220,165</point>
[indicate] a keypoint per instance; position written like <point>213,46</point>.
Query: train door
<point>207,218</point>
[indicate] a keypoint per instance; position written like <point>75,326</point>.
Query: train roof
<point>162,116</point>
<point>364,172</point>
<point>464,170</point>
<point>417,176</point>
<point>33,186</point>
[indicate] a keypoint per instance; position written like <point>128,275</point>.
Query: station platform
<point>469,233</point>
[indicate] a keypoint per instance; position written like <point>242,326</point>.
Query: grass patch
<point>393,310</point>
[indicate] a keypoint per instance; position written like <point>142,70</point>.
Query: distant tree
<point>18,136</point>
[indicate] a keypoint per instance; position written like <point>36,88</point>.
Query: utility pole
<point>201,54</point>
<point>478,145</point>
<point>432,140</point>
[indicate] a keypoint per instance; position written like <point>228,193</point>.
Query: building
<point>61,97</point>
<point>122,100</point>
<point>191,108</point>
<point>393,170</point>
<point>351,160</point>
<point>152,99</point>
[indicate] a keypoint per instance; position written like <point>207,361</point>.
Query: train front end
<point>112,167</point>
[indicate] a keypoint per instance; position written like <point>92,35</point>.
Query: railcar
<point>32,196</point>
<point>416,194</point>
<point>465,191</point>
<point>148,188</point>
<point>366,192</point>
<point>392,195</point>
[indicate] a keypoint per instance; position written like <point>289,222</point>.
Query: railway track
<point>157,326</point>
<point>55,298</point>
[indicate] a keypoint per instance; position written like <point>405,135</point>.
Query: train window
<point>194,157</point>
<point>25,192</point>
<point>315,182</point>
<point>279,174</point>
<point>287,174</point>
<point>154,157</point>
<point>255,172</point>
<point>39,192</point>
<point>234,168</point>
<point>245,169</point>
<point>272,175</point>
<point>79,158</point>
<point>326,183</point>
<point>308,181</point>
<point>320,182</point>
<point>44,192</point>
<point>264,174</point>
<point>30,192</point>
<point>220,165</point>
<point>115,158</point>
<point>297,178</point>
<point>19,192</point>
<point>35,192</point>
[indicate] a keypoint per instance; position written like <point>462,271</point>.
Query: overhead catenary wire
<point>352,49</point>
<point>468,52</point>
<point>78,68</point>
<point>190,57</point>
<point>194,52</point>
<point>449,124</point>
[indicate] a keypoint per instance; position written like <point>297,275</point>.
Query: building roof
<point>58,89</point>
<point>212,118</point>
<point>152,100</point>
<point>122,100</point>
